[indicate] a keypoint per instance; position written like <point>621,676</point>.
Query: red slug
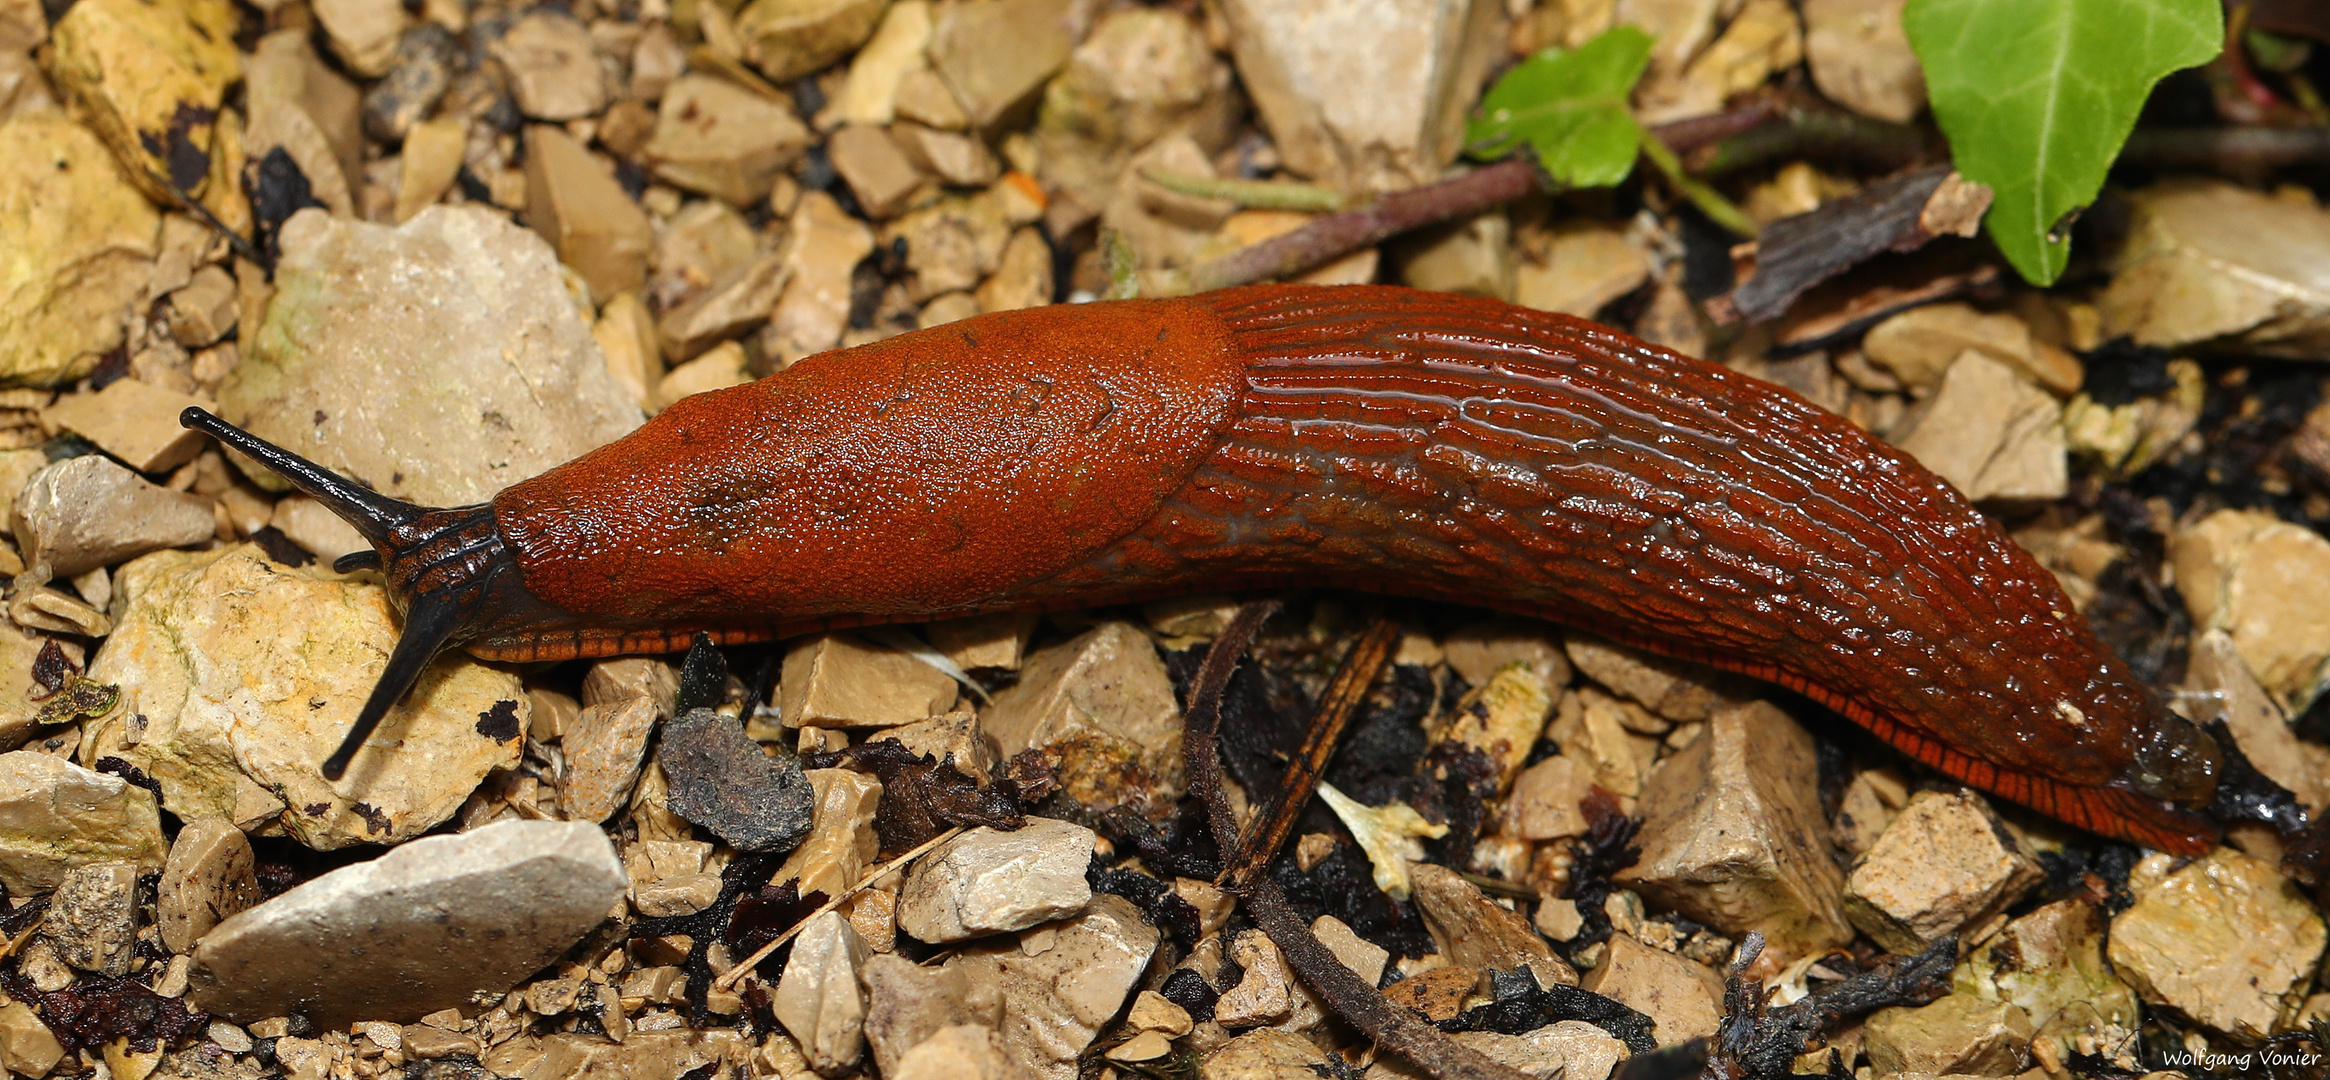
<point>1366,437</point>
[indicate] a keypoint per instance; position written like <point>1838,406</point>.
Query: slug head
<point>448,570</point>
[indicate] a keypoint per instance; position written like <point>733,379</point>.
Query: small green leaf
<point>1570,107</point>
<point>2037,96</point>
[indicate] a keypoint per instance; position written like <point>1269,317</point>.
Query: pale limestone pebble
<point>985,641</point>
<point>1265,1054</point>
<point>55,816</point>
<point>1212,903</point>
<point>313,526</point>
<point>1435,993</point>
<point>363,33</point>
<point>1544,801</point>
<point>1584,266</point>
<point>1945,864</point>
<point>1918,346</point>
<point>201,312</point>
<point>907,1003</point>
<point>987,882</point>
<point>1197,616</point>
<point>459,305</point>
<point>1474,931</point>
<point>869,94</point>
<point>696,248</point>
<point>953,244</point>
<point>625,333</point>
<point>553,68</point>
<point>955,158</point>
<point>247,673</point>
<point>1268,993</point>
<point>1104,702</point>
<point>946,308</point>
<point>787,39</point>
<point>1684,999</point>
<point>19,649</point>
<point>1365,958</point>
<point>842,680</point>
<point>954,738</point>
<point>1733,835</point>
<point>42,608</point>
<point>2207,261</point>
<point>1761,37</point>
<point>2050,963</point>
<point>720,367</point>
<point>27,1046</point>
<point>647,1055</point>
<point>92,917</point>
<point>150,79</point>
<point>669,877</point>
<point>1991,434</point>
<point>739,301</point>
<point>1675,689</point>
<point>82,240</point>
<point>1023,274</point>
<point>995,57</point>
<point>873,912</point>
<point>1872,799</point>
<point>1141,74</point>
<point>397,938</point>
<point>1061,982</point>
<point>604,750</point>
<point>1473,256</point>
<point>1597,730</point>
<point>961,1052</point>
<point>2123,440</point>
<point>1565,1050</point>
<point>624,678</point>
<point>421,1042</point>
<point>1957,1033</point>
<point>1558,918</point>
<point>1407,126</point>
<point>879,173</point>
<point>210,876</point>
<point>2219,686</point>
<point>1861,59</point>
<point>2257,579</point>
<point>842,843</point>
<point>1153,1012</point>
<point>819,999</point>
<point>719,139</point>
<point>87,512</point>
<point>822,248</point>
<point>1501,719</point>
<point>576,204</point>
<point>924,98</point>
<point>2225,940</point>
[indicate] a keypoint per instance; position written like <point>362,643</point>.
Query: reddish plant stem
<point>1333,235</point>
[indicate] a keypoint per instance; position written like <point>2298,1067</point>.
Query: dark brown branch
<point>1818,133</point>
<point>1341,699</point>
<point>1331,236</point>
<point>2228,149</point>
<point>1393,1028</point>
<point>1795,253</point>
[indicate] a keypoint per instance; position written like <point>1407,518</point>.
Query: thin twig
<point>1332,236</point>
<point>886,869</point>
<point>1337,703</point>
<point>1814,132</point>
<point>1352,998</point>
<point>1253,194</point>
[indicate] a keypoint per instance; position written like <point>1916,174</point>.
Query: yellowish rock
<point>1992,435</point>
<point>150,78</point>
<point>996,55</point>
<point>841,680</point>
<point>1585,266</point>
<point>364,33</point>
<point>1944,865</point>
<point>841,844</point>
<point>721,367</point>
<point>2225,940</point>
<point>554,70</point>
<point>625,333</point>
<point>303,106</point>
<point>715,137</point>
<point>2259,580</point>
<point>870,94</point>
<point>1959,1033</point>
<point>1683,999</point>
<point>432,159</point>
<point>134,421</point>
<point>1502,719</point>
<point>787,39</point>
<point>55,816</point>
<point>75,242</point>
<point>1860,58</point>
<point>245,674</point>
<point>1103,700</point>
<point>575,203</point>
<point>2209,261</point>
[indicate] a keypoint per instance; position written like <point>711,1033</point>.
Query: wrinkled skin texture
<point>1374,438</point>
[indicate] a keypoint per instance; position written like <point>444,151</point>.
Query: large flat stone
<point>414,931</point>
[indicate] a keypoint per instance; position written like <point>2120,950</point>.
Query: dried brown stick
<point>1350,997</point>
<point>1344,693</point>
<point>1331,236</point>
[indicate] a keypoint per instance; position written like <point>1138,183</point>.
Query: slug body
<point>1373,438</point>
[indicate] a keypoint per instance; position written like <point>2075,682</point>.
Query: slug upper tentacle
<point>1366,436</point>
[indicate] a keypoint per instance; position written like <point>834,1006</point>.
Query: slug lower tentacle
<point>1366,437</point>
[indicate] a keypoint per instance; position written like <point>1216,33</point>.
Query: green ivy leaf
<point>1570,107</point>
<point>2037,96</point>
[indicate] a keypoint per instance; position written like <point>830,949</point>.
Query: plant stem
<point>1253,194</point>
<point>1710,202</point>
<point>1331,236</point>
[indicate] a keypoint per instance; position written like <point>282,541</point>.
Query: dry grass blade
<point>736,973</point>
